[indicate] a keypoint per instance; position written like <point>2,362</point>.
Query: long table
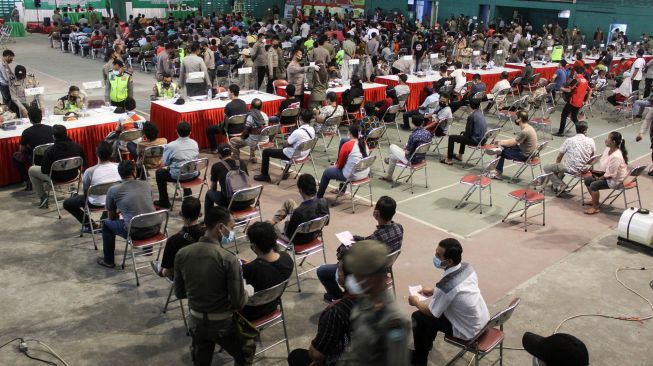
<point>201,114</point>
<point>87,131</point>
<point>546,70</point>
<point>416,84</point>
<point>373,92</point>
<point>76,16</point>
<point>491,76</point>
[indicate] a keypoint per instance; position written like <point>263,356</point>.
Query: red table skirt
<point>491,79</point>
<point>88,137</point>
<point>545,72</point>
<point>167,120</point>
<point>417,93</point>
<point>371,95</point>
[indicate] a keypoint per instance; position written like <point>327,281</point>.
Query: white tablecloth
<point>96,117</point>
<point>199,105</point>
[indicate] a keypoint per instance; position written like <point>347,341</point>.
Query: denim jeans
<point>512,153</point>
<point>329,173</point>
<point>110,229</point>
<point>326,273</point>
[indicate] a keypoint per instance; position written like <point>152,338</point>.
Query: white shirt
<point>305,29</point>
<point>578,150</point>
<point>98,174</point>
<point>638,64</point>
<point>431,99</point>
<point>463,306</point>
<point>302,134</point>
<point>459,77</point>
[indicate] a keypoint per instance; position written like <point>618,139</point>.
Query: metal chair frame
<point>530,162</point>
<point>376,134</point>
<point>308,227</point>
<point>243,218</point>
<point>437,140</point>
<point>394,111</point>
<point>421,149</point>
<point>487,141</point>
<point>537,185</point>
<point>478,183</point>
<point>201,166</point>
<point>365,163</point>
<point>94,190</point>
<point>235,120</point>
<point>181,304</point>
<point>629,183</point>
<point>126,137</point>
<point>63,165</point>
<point>304,146</point>
<point>149,153</point>
<point>267,296</point>
<point>160,217</point>
<point>392,258</point>
<point>330,122</point>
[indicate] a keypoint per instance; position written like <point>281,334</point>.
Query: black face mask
<point>275,45</point>
<point>166,85</point>
<point>442,105</point>
<point>72,98</point>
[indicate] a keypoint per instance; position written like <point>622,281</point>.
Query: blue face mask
<point>437,263</point>
<point>227,239</point>
<point>536,362</point>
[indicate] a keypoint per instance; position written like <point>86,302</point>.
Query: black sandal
<point>444,161</point>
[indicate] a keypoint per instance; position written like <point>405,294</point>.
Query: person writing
<point>70,102</point>
<point>166,88</point>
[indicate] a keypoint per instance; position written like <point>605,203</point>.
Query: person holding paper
<point>457,307</point>
<point>387,232</point>
<point>194,83</point>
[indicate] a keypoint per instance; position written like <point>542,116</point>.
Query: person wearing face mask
<point>379,331</point>
<point>296,73</point>
<point>558,349</point>
<point>71,102</point>
<point>131,198</point>
<point>457,307</point>
<point>166,88</point>
<point>210,277</point>
<point>121,84</point>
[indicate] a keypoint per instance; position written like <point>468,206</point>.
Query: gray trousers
<point>558,170</point>
<point>38,179</point>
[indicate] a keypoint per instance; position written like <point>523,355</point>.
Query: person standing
<point>260,60</point>
<point>6,75</point>
<point>194,83</point>
<point>637,69</point>
<point>164,62</point>
<point>296,73</point>
<point>578,88</point>
<point>121,85</point>
<point>33,136</point>
<point>457,308</point>
<point>648,81</point>
<point>379,331</point>
<point>273,65</point>
<point>209,61</point>
<point>211,279</point>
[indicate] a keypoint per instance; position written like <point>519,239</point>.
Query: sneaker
<point>494,151</point>
<point>101,262</point>
<point>44,202</point>
<point>262,178</point>
<point>496,175</point>
<point>162,204</point>
<point>86,229</point>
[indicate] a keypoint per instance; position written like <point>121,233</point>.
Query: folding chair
<point>392,258</point>
<point>263,297</point>
<point>413,167</point>
<point>65,165</point>
<point>510,114</point>
<point>515,89</point>
<point>278,83</point>
<point>486,143</point>
<point>535,82</point>
<point>290,113</point>
<point>532,162</point>
<point>376,134</point>
<point>181,304</point>
<point>487,339</point>
<point>467,110</point>
<point>96,48</point>
<point>362,165</point>
<point>480,182</point>
<point>577,178</point>
<point>133,54</point>
<point>147,245</point>
<point>147,58</point>
<point>437,140</point>
<point>55,37</point>
<point>544,121</point>
<point>39,150</point>
<point>94,190</point>
<point>236,120</point>
<point>150,152</point>
<point>199,166</point>
<point>392,110</point>
<point>499,100</point>
<point>629,183</point>
<point>126,137</point>
<point>350,117</point>
<point>533,195</point>
<point>402,101</point>
<point>626,107</point>
<point>304,146</point>
<point>330,125</point>
<point>271,132</point>
<point>244,217</point>
<point>303,251</point>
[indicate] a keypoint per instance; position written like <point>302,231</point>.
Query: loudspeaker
<point>46,21</point>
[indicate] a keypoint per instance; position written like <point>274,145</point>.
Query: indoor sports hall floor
<point>53,290</point>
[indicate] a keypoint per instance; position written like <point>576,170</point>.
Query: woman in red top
<point>351,152</point>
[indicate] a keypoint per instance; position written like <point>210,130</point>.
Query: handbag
<point>244,329</point>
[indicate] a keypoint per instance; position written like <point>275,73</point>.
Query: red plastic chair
<point>531,196</point>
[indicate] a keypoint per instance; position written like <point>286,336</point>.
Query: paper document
<point>346,238</point>
<point>415,291</point>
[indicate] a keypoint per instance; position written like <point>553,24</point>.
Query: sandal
<point>444,161</point>
<point>101,262</point>
<point>386,179</point>
<point>591,211</point>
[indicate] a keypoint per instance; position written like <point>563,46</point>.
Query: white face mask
<point>536,362</point>
<point>353,286</point>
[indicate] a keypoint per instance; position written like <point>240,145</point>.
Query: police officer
<point>121,84</point>
<point>211,278</point>
<point>166,88</point>
<point>71,102</point>
<point>380,332</point>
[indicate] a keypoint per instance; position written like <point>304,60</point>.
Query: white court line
<point>430,225</point>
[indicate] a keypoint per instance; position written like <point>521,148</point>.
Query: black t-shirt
<point>284,105</point>
<point>233,108</point>
<point>186,236</point>
<point>219,175</point>
<point>35,135</point>
<point>263,275</point>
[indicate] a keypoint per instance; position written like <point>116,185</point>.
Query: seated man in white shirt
<point>459,77</point>
<point>104,172</point>
<point>576,152</point>
<point>304,133</point>
<point>499,86</point>
<point>457,308</point>
<point>402,87</point>
<point>427,107</point>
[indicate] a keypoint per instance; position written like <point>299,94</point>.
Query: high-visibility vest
<point>556,53</point>
<point>339,56</point>
<point>166,93</point>
<point>119,88</point>
<point>182,54</point>
<point>68,106</point>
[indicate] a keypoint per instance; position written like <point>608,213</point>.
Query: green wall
<point>256,7</point>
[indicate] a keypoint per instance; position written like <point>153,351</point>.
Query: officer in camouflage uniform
<point>379,333</point>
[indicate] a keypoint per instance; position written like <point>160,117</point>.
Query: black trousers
<point>271,153</point>
<point>647,87</point>
<point>118,104</point>
<point>408,115</point>
<point>75,206</point>
<point>425,329</point>
<point>211,131</point>
<point>462,140</point>
<point>636,85</point>
<point>22,162</point>
<point>162,178</point>
<point>261,71</point>
<point>299,357</point>
<point>566,111</point>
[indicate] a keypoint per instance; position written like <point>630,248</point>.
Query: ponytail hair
<point>354,130</point>
<point>621,144</point>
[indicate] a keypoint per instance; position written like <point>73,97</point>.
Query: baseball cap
<point>251,39</point>
<point>224,149</point>
<point>367,257</point>
<point>246,52</point>
<point>559,349</point>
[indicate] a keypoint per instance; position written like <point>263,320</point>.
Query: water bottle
<point>209,94</point>
<point>46,116</point>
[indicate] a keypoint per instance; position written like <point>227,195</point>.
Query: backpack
<point>235,180</point>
